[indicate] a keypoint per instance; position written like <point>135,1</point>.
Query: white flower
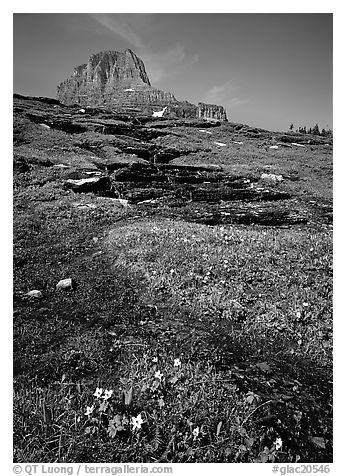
<point>108,394</point>
<point>98,392</point>
<point>299,315</point>
<point>137,422</point>
<point>177,363</point>
<point>195,432</point>
<point>89,410</point>
<point>158,375</point>
<point>155,360</point>
<point>278,443</point>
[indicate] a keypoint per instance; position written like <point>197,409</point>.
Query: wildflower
<point>108,394</point>
<point>98,392</point>
<point>155,360</point>
<point>195,432</point>
<point>137,422</point>
<point>278,443</point>
<point>177,362</point>
<point>305,304</point>
<point>158,375</point>
<point>89,410</point>
<point>299,315</point>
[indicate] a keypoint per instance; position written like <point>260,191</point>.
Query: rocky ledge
<point>190,169</point>
<point>118,81</point>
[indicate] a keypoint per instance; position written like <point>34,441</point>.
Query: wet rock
<point>223,212</point>
<point>118,161</point>
<point>143,151</point>
<point>213,195</point>
<point>92,184</point>
<point>142,194</point>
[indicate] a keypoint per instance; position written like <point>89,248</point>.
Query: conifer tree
<point>316,130</point>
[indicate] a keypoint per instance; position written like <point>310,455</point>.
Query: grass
<point>246,310</point>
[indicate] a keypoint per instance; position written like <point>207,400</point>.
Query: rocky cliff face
<point>118,80</point>
<point>104,76</point>
<point>211,111</point>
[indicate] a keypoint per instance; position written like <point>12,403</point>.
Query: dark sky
<point>268,70</point>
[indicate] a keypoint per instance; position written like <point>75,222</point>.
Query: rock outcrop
<point>118,81</point>
<point>211,111</point>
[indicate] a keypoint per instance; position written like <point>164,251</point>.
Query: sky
<point>267,69</point>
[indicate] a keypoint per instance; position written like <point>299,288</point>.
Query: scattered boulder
<point>272,178</point>
<point>318,441</point>
<point>273,147</point>
<point>264,367</point>
<point>221,144</point>
<point>35,293</point>
<point>67,284</point>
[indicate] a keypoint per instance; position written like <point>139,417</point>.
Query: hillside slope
<point>201,263</point>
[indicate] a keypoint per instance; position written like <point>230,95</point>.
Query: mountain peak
<point>118,80</point>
